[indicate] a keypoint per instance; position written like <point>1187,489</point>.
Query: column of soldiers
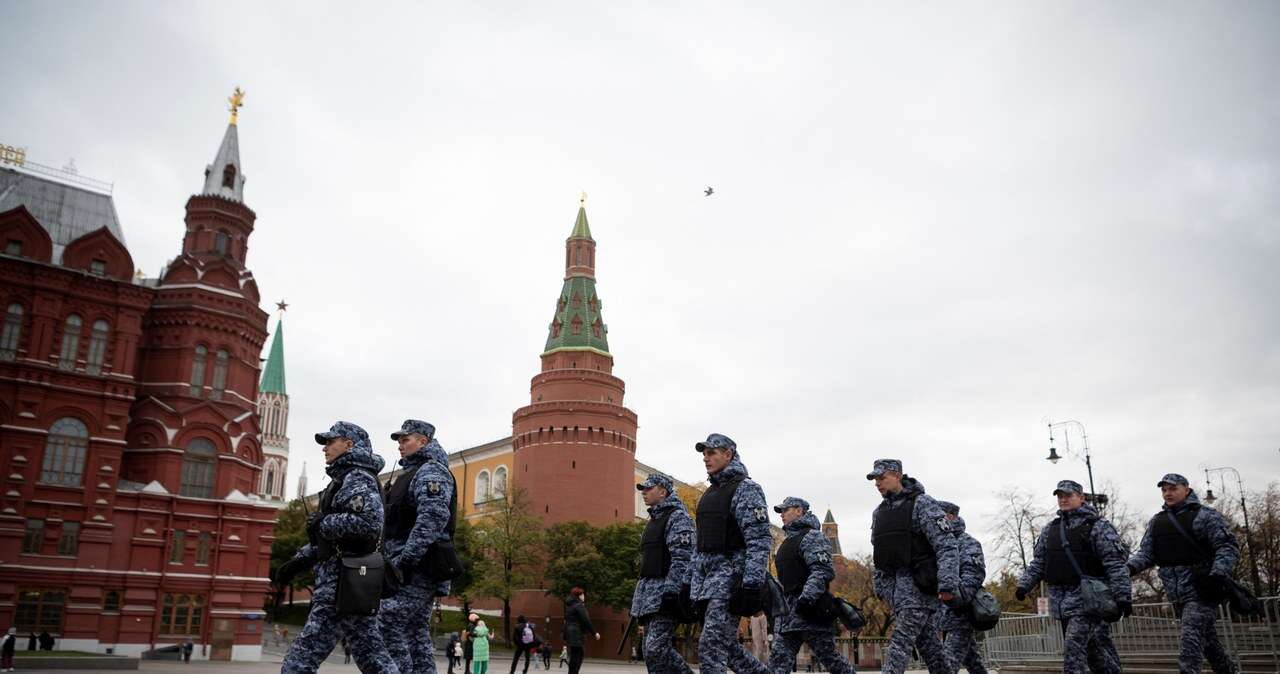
<point>927,569</point>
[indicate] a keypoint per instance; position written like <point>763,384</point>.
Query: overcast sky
<point>933,226</point>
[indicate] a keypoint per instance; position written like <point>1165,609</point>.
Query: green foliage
<point>506,546</point>
<point>1003,587</point>
<point>464,542</point>
<point>603,561</point>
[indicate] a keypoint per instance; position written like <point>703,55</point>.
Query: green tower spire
<point>273,372</point>
<point>578,323</point>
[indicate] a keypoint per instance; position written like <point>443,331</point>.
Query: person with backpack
<point>1079,545</point>
<point>805,571</point>
<point>348,522</point>
<point>960,647</point>
<point>420,505</point>
<point>523,641</point>
<point>915,564</point>
<point>1196,552</point>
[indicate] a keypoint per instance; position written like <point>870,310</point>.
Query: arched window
<point>229,176</point>
<point>219,374</point>
<point>64,452</point>
<point>197,371</point>
<point>500,482</point>
<point>269,487</point>
<point>197,469</point>
<point>70,343</point>
<point>220,242</point>
<point>482,486</point>
<point>97,346</point>
<point>12,333</point>
<point>277,419</point>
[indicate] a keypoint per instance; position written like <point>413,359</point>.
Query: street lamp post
<point>1244,509</point>
<point>1066,440</point>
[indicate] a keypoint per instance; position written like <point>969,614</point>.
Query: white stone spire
<point>223,177</point>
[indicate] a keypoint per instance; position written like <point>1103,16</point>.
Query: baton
<point>631,627</point>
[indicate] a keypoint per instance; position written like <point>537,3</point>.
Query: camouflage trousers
<point>913,628</point>
<point>719,645</point>
<point>1199,638</point>
<point>961,650</point>
<point>405,623</point>
<point>660,655</point>
<point>323,630</point>
<point>1087,646</point>
<point>785,646</point>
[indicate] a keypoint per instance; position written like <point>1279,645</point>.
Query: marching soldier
<point>915,564</point>
<point>1196,552</point>
<point>666,548</point>
<point>420,504</point>
<point>729,567</point>
<point>1080,534</point>
<point>349,521</point>
<point>804,568</point>
<point>960,646</point>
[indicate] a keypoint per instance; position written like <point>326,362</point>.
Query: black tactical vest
<point>894,544</point>
<point>401,507</point>
<point>1057,566</point>
<point>350,545</point>
<point>718,529</point>
<point>793,571</point>
<point>1172,548</point>
<point>655,559</point>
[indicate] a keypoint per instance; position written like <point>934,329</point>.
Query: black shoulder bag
<point>1096,600</point>
<point>363,580</point>
<point>1215,591</point>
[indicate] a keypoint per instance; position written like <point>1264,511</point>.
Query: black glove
<point>670,605</point>
<point>313,527</point>
<point>1021,594</point>
<point>285,573</point>
<point>747,601</point>
<point>1126,608</point>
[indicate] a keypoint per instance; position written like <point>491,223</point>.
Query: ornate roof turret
<point>224,177</point>
<point>578,323</point>
<point>829,519</point>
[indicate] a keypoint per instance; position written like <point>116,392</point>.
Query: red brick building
<point>130,452</point>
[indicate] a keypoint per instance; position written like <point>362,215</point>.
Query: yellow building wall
<point>465,475</point>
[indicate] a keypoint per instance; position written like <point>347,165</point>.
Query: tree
<point>1004,588</point>
<point>290,535</point>
<point>506,551</point>
<point>604,561</point>
<point>690,494</point>
<point>464,543</point>
<point>1016,526</point>
<point>855,582</point>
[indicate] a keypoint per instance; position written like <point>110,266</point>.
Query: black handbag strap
<point>1066,545</point>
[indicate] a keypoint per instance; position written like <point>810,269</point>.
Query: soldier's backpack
<point>984,611</point>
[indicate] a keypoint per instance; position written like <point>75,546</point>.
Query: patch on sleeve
<point>433,488</point>
<point>943,524</point>
<point>761,513</point>
<point>357,503</point>
<point>685,538</point>
<point>823,557</point>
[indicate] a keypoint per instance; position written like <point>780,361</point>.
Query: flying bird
<point>708,192</point>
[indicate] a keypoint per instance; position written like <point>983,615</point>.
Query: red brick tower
<point>575,443</point>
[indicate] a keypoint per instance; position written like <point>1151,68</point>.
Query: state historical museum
<point>138,500</point>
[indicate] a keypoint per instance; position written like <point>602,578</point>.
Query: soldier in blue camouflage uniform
<point>915,565</point>
<point>1101,554</point>
<point>727,575</point>
<point>350,518</point>
<point>1193,572</point>
<point>418,515</point>
<point>805,571</point>
<point>666,548</point>
<point>960,646</point>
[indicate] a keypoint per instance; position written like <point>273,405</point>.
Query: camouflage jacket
<point>711,574</point>
<point>897,587</point>
<point>1064,601</point>
<point>432,490</point>
<point>972,573</point>
<point>680,540</point>
<point>1209,525</point>
<point>817,555</point>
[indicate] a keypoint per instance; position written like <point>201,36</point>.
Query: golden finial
<point>237,101</point>
<point>582,199</point>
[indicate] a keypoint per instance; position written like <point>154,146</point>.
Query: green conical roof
<point>581,230</point>
<point>578,323</point>
<point>273,372</point>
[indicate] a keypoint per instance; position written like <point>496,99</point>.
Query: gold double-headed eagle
<point>237,101</point>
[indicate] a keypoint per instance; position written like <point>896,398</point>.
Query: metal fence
<point>1151,631</point>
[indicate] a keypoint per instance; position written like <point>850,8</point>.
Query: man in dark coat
<point>523,640</point>
<point>576,624</point>
<point>1196,552</point>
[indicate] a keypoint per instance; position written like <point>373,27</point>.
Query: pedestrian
<point>346,651</point>
<point>468,640</point>
<point>564,655</point>
<point>805,572</point>
<point>453,645</point>
<point>46,641</point>
<point>666,547</point>
<point>6,649</point>
<point>731,562</point>
<point>1080,538</point>
<point>348,522</point>
<point>915,564</point>
<point>577,624</point>
<point>480,655</point>
<point>545,652</point>
<point>960,647</point>
<point>420,504</point>
<point>523,641</point>
<point>31,642</point>
<point>285,634</point>
<point>1196,553</point>
<point>187,648</point>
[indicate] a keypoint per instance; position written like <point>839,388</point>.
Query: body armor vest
<point>718,529</point>
<point>895,545</point>
<point>1057,566</point>
<point>655,557</point>
<point>793,571</point>
<point>401,507</point>
<point>1171,548</point>
<point>347,545</point>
